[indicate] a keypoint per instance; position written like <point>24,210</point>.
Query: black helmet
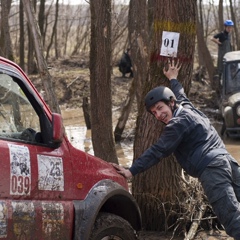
<point>158,94</point>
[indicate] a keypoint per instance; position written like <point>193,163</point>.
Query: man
<point>125,65</point>
<point>224,43</point>
<point>197,147</point>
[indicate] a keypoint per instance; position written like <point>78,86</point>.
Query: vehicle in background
<point>230,101</point>
<point>48,188</point>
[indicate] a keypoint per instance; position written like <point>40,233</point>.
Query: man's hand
<point>172,71</point>
<point>121,170</point>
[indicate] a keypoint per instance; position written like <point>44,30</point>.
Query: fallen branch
<point>73,81</point>
<point>194,227</point>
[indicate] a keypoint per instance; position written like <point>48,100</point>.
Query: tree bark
<point>233,17</point>
<point>22,38</point>
<point>31,63</point>
<point>124,113</point>
<point>203,51</point>
<point>51,98</point>
<point>159,186</point>
<point>54,32</point>
<point>220,16</point>
<point>139,43</point>
<point>100,81</point>
<point>5,40</point>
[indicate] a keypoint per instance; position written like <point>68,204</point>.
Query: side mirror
<point>58,129</point>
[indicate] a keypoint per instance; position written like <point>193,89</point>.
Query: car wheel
<point>112,227</point>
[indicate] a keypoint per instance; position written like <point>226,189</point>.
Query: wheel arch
<point>105,196</point>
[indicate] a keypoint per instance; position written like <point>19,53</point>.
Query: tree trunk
<point>204,53</point>
<point>122,120</point>
<point>86,112</point>
<point>233,17</point>
<point>157,188</point>
<point>54,31</point>
<point>100,81</point>
<point>139,43</point>
<point>31,63</point>
<point>220,15</point>
<point>5,40</point>
<point>22,38</point>
<point>41,17</point>
<point>51,98</point>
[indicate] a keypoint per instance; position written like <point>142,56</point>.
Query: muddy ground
<point>71,80</point>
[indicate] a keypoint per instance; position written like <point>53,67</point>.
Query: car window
<point>18,120</point>
<point>233,77</point>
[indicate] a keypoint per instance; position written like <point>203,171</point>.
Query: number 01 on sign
<point>169,46</point>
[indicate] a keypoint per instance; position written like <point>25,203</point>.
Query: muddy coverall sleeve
<point>178,90</point>
<point>149,158</point>
<point>165,145</point>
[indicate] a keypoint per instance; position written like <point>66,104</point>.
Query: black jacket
<point>189,135</point>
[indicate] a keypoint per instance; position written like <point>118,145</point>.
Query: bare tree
<point>41,17</point>
<point>126,109</point>
<point>157,188</point>
<point>205,58</point>
<point>5,39</point>
<point>138,39</point>
<point>82,32</point>
<point>233,17</point>
<point>220,15</point>
<point>31,64</point>
<point>100,81</point>
<point>51,98</point>
<point>54,33</point>
<point>139,42</point>
<point>21,38</point>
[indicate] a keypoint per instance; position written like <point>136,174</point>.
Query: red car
<point>49,189</point>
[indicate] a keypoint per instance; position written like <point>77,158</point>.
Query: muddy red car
<point>49,189</point>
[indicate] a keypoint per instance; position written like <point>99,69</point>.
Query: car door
<point>35,174</point>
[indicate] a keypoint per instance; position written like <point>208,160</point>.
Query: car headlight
<point>238,110</point>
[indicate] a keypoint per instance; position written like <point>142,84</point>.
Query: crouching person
<point>125,64</point>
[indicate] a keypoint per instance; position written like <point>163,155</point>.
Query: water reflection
<point>80,137</point>
<point>232,145</point>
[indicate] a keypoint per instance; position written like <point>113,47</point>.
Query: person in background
<point>223,40</point>
<point>125,64</point>
<point>197,147</point>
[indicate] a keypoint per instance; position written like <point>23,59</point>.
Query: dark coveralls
<point>224,38</point>
<point>125,65</point>
<point>202,154</point>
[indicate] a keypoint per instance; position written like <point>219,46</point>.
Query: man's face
<point>162,111</point>
<point>228,28</point>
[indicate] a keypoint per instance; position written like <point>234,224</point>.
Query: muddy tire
<point>112,227</point>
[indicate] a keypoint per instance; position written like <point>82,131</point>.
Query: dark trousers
<point>221,183</point>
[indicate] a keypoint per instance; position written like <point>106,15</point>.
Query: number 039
<point>20,185</point>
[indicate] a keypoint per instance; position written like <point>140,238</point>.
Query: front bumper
<point>233,132</point>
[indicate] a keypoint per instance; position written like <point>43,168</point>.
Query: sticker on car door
<point>50,173</point>
<point>20,168</point>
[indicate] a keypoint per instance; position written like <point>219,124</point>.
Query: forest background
<point>35,34</point>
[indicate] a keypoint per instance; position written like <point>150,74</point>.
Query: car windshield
<point>232,77</point>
